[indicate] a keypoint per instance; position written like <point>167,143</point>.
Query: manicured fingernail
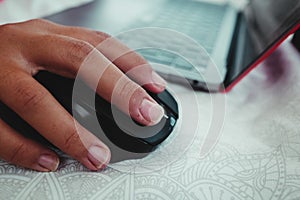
<point>49,162</point>
<point>98,156</point>
<point>158,80</point>
<point>152,112</point>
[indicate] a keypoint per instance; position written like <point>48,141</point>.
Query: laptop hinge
<point>231,61</point>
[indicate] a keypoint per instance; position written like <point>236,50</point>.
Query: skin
<point>29,47</point>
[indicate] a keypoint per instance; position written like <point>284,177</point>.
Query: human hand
<point>35,45</point>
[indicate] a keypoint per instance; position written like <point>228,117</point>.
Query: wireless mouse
<point>118,127</point>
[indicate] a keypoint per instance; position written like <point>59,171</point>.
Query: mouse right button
<point>167,100</point>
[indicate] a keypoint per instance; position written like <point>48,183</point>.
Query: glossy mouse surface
<point>119,128</point>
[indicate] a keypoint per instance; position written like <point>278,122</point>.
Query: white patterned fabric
<point>257,156</point>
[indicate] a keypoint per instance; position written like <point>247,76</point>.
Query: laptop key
<point>182,63</point>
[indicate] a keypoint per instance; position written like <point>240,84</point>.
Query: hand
<point>35,45</point>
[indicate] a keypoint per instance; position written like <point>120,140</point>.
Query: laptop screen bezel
<point>232,79</point>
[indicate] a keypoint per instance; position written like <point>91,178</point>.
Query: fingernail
<point>158,80</point>
<point>49,162</point>
<point>98,156</point>
<point>152,112</point>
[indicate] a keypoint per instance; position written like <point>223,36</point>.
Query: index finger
<point>61,54</point>
<point>126,59</point>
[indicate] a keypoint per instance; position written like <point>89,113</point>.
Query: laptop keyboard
<point>200,21</point>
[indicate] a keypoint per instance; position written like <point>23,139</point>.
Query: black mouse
<point>123,132</point>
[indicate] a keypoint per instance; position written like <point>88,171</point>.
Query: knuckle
<point>38,21</point>
<point>137,59</point>
<point>72,140</point>
<point>80,50</point>
<point>98,37</point>
<point>134,102</point>
<point>7,28</point>
<point>81,47</point>
<point>102,35</point>
<point>139,91</point>
<point>17,153</point>
<point>136,97</point>
<point>29,96</point>
<point>127,88</point>
<point>133,59</point>
<point>7,78</point>
<point>128,95</point>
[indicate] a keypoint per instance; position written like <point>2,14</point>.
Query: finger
<point>122,56</point>
<point>68,56</point>
<point>24,152</point>
<point>38,107</point>
<point>118,53</point>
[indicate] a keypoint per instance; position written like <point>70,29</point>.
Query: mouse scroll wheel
<point>169,117</point>
<point>165,112</point>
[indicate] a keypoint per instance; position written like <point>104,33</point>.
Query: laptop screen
<point>262,25</point>
<point>270,19</point>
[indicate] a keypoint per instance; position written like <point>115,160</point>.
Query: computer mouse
<point>119,128</point>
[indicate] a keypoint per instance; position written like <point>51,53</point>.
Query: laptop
<point>212,45</point>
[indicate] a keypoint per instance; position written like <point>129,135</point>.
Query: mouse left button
<point>167,100</point>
